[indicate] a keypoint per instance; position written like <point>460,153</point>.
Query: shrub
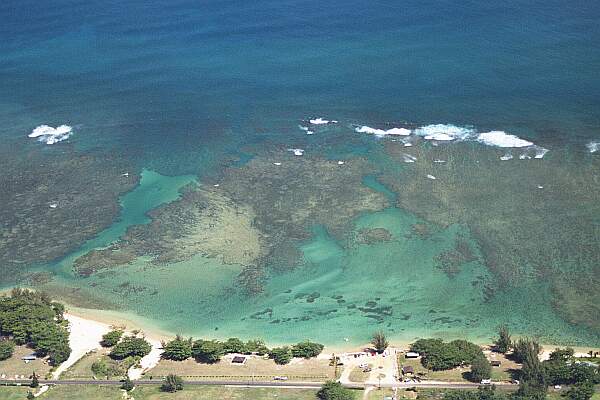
<point>172,384</point>
<point>334,391</point>
<point>7,347</point>
<point>503,342</point>
<point>208,351</point>
<point>307,349</point>
<point>281,355</point>
<point>178,349</point>
<point>581,391</point>
<point>130,346</point>
<point>127,384</point>
<point>111,338</point>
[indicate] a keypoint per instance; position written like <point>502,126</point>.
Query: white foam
<point>277,163</point>
<point>49,135</point>
<point>321,121</point>
<point>407,144</point>
<point>444,132</point>
<point>297,152</point>
<point>502,139</point>
<point>506,157</point>
<point>593,146</point>
<point>439,161</point>
<point>408,158</point>
<point>540,152</point>
<point>431,177</point>
<point>383,132</point>
<point>341,163</point>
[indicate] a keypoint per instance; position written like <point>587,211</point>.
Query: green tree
<point>334,391</point>
<point>503,342</point>
<point>130,346</point>
<point>256,346</point>
<point>178,349</point>
<point>468,351</point>
<point>379,341</point>
<point>208,351</point>
<point>281,355</point>
<point>172,384</point>
<point>581,391</point>
<point>234,345</point>
<point>35,382</point>
<point>127,384</point>
<point>7,347</point>
<point>522,346</point>
<point>533,380</point>
<point>480,369</point>
<point>111,338</point>
<point>30,395</point>
<point>307,349</point>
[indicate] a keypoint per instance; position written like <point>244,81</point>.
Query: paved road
<point>277,384</point>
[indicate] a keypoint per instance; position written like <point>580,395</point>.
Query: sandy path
<point>84,336</point>
<point>148,362</point>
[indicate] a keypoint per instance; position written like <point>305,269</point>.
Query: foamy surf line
<point>446,133</point>
<point>593,147</point>
<point>49,135</point>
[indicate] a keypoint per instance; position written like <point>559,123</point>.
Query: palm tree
<point>379,341</point>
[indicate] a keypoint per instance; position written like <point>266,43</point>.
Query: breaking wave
<point>49,135</point>
<point>383,132</point>
<point>444,132</point>
<point>502,139</point>
<point>593,146</point>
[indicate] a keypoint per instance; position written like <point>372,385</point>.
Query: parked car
<point>486,381</point>
<point>281,378</point>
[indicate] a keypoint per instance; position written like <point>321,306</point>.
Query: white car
<point>486,381</point>
<point>281,378</point>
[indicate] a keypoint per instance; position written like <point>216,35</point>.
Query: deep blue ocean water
<point>178,87</point>
<point>152,78</point>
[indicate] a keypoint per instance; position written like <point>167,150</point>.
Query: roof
<point>495,363</point>
<point>29,357</point>
<point>412,354</point>
<point>238,360</point>
<point>408,369</point>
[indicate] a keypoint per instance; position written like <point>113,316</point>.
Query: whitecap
<point>321,121</point>
<point>277,163</point>
<point>540,152</point>
<point>502,139</point>
<point>506,157</point>
<point>383,132</point>
<point>593,146</point>
<point>439,161</point>
<point>431,177</point>
<point>444,132</point>
<point>341,163</point>
<point>408,158</point>
<point>407,144</point>
<point>297,152</point>
<point>49,135</point>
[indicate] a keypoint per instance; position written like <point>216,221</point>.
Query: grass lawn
<point>15,366</point>
<point>82,369</point>
<point>219,392</point>
<point>357,374</point>
<point>501,373</point>
<point>378,394</point>
<point>315,370</point>
<point>13,392</point>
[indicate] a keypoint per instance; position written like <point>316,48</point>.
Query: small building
<point>408,370</point>
<point>238,360</point>
<point>495,363</point>
<point>411,354</point>
<point>29,357</point>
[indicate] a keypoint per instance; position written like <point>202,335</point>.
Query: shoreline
<point>152,333</point>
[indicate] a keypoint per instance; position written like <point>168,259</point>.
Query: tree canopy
<point>438,355</point>
<point>111,338</point>
<point>130,346</point>
<point>172,384</point>
<point>334,391</point>
<point>307,349</point>
<point>379,341</point>
<point>6,349</point>
<point>503,342</point>
<point>281,355</point>
<point>207,351</point>
<point>32,318</point>
<point>178,349</point>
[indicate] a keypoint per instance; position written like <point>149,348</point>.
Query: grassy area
<point>378,394</point>
<point>357,374</point>
<point>82,369</point>
<point>502,373</point>
<point>97,392</point>
<point>256,368</point>
<point>13,392</point>
<point>15,366</point>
